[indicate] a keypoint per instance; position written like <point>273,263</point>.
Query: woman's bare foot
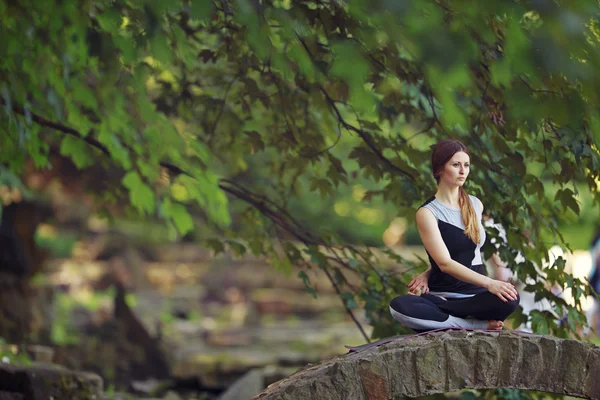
<point>495,325</point>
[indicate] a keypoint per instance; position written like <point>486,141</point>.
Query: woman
<point>454,292</point>
<point>594,314</point>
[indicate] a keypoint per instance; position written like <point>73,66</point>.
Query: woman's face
<point>456,170</point>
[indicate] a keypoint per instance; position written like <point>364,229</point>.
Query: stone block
<point>487,362</point>
<point>345,378</point>
<point>531,363</point>
<point>573,364</point>
<point>592,380</point>
<point>11,396</point>
<point>45,381</point>
<point>402,372</point>
<point>431,368</point>
<point>460,356</point>
<point>510,359</point>
<point>551,353</point>
<point>448,361</point>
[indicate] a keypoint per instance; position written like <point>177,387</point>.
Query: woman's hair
<point>441,154</point>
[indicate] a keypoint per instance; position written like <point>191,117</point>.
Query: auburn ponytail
<point>469,217</point>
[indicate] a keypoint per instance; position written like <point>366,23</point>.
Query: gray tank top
<point>460,246</point>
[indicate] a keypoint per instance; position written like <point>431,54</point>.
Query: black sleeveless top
<point>461,249</point>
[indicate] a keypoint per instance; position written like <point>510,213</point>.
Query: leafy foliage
<point>260,101</point>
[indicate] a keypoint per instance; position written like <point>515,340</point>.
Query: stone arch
<point>448,361</point>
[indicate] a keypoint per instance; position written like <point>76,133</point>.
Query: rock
<point>172,396</point>
<point>247,386</point>
<point>43,354</point>
<point>47,381</point>
<point>11,396</point>
<point>440,362</point>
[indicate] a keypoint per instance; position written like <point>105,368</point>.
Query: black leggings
<point>428,311</point>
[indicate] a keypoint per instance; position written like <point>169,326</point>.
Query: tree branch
<point>56,126</point>
<point>537,90</point>
<point>211,134</point>
<point>364,136</point>
<point>278,215</point>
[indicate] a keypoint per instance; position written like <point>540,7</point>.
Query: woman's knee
<point>508,307</point>
<point>513,304</point>
<point>500,309</point>
<point>402,304</point>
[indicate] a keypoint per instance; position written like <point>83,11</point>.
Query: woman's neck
<point>448,195</point>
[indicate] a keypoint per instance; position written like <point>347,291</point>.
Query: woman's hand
<point>420,283</point>
<point>505,290</point>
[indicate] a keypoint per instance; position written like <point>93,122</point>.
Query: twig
<point>266,206</point>
<point>220,113</point>
<point>536,90</point>
<point>481,106</point>
<point>348,310</point>
<point>364,136</point>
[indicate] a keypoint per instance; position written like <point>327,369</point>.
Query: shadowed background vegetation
<point>299,132</point>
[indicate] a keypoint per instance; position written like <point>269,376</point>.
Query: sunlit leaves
<point>346,55</point>
<point>79,151</point>
<point>565,196</point>
<point>446,85</point>
<point>179,215</point>
<point>307,285</point>
<point>140,194</point>
<point>290,99</point>
<point>201,9</point>
<point>204,190</point>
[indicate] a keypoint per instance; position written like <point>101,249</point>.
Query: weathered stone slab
<point>592,380</point>
<point>460,356</point>
<point>432,368</point>
<point>402,372</point>
<point>45,381</point>
<point>347,377</point>
<point>251,384</point>
<point>449,361</point>
<point>551,353</point>
<point>374,383</point>
<point>574,361</point>
<point>532,365</point>
<point>487,362</point>
<point>11,396</point>
<point>510,359</point>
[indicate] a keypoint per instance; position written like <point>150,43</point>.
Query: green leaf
<point>566,197</point>
<point>202,9</point>
<point>215,244</point>
<point>323,185</point>
<point>178,213</point>
<point>298,54</point>
<point>283,264</point>
<point>302,275</point>
<point>140,194</point>
<point>85,96</point>
<point>161,50</point>
<point>206,192</point>
<point>349,300</point>
<point>238,249</point>
<point>316,256</point>
<point>375,280</point>
<point>78,150</point>
<point>255,141</point>
<point>539,324</point>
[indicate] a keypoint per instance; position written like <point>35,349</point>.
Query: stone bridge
<point>449,361</point>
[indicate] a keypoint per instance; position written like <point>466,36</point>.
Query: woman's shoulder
<point>477,203</point>
<point>427,208</point>
<point>428,202</point>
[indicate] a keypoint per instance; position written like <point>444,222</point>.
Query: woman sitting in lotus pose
<point>455,291</point>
